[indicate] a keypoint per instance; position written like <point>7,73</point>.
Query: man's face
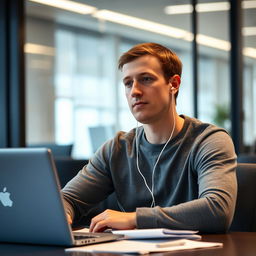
<point>147,92</point>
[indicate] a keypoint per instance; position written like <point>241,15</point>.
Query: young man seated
<point>174,171</point>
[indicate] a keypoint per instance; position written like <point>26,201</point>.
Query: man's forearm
<point>200,214</point>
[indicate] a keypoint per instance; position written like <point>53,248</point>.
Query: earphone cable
<point>153,173</point>
<point>151,191</point>
<point>137,162</point>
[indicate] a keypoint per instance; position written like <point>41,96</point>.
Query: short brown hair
<point>170,62</point>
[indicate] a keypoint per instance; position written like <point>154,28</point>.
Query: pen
<point>171,244</point>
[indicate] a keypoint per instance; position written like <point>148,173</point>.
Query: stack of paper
<point>143,246</point>
<point>150,240</point>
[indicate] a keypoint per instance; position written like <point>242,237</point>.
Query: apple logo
<point>5,198</point>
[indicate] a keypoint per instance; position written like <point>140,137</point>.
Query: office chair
<point>245,212</point>
<point>67,168</point>
<point>58,150</point>
<point>99,135</point>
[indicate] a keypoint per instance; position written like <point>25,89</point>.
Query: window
<point>84,90</point>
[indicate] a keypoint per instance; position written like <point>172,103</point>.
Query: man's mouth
<point>139,103</point>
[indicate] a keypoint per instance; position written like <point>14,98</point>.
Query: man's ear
<point>174,83</point>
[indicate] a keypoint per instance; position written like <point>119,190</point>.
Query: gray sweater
<point>195,180</point>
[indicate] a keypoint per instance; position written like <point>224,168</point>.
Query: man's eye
<point>128,83</point>
<point>147,79</point>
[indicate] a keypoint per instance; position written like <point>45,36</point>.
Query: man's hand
<point>113,219</point>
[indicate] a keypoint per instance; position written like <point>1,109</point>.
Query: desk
<point>235,244</point>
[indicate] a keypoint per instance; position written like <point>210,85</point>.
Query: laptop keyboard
<point>84,236</point>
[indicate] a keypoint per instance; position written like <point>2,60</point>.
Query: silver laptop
<point>31,205</point>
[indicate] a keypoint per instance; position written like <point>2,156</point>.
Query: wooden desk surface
<point>235,244</point>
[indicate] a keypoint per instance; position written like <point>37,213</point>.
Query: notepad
<point>158,233</point>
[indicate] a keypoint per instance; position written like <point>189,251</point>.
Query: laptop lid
<point>31,205</point>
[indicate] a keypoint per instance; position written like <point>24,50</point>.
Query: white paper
<point>157,233</point>
<point>141,247</point>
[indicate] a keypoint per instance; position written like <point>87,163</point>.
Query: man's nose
<point>136,89</point>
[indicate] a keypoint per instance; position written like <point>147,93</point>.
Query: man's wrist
<point>133,219</point>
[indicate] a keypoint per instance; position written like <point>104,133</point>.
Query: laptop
<point>31,205</point>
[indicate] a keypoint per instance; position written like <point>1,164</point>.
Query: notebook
<point>31,205</point>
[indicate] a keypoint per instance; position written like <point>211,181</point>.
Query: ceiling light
<point>249,52</point>
<point>178,9</point>
<point>143,24</point>
<point>213,42</point>
<point>206,7</point>
<point>249,31</point>
<point>249,4</point>
<point>68,6</point>
<point>39,49</point>
<point>213,7</point>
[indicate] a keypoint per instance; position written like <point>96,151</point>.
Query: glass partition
<point>214,69</point>
<point>249,75</point>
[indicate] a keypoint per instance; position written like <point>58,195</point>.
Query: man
<point>172,172</point>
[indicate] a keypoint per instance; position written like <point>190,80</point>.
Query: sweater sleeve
<point>90,186</point>
<point>214,161</point>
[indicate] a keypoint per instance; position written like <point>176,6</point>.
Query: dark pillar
<point>236,74</point>
<point>12,85</point>
<point>195,59</point>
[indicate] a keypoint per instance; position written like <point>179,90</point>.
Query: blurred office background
<point>73,91</point>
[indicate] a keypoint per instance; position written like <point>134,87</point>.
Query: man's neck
<point>159,133</point>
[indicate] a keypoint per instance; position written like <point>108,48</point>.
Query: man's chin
<point>142,120</point>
